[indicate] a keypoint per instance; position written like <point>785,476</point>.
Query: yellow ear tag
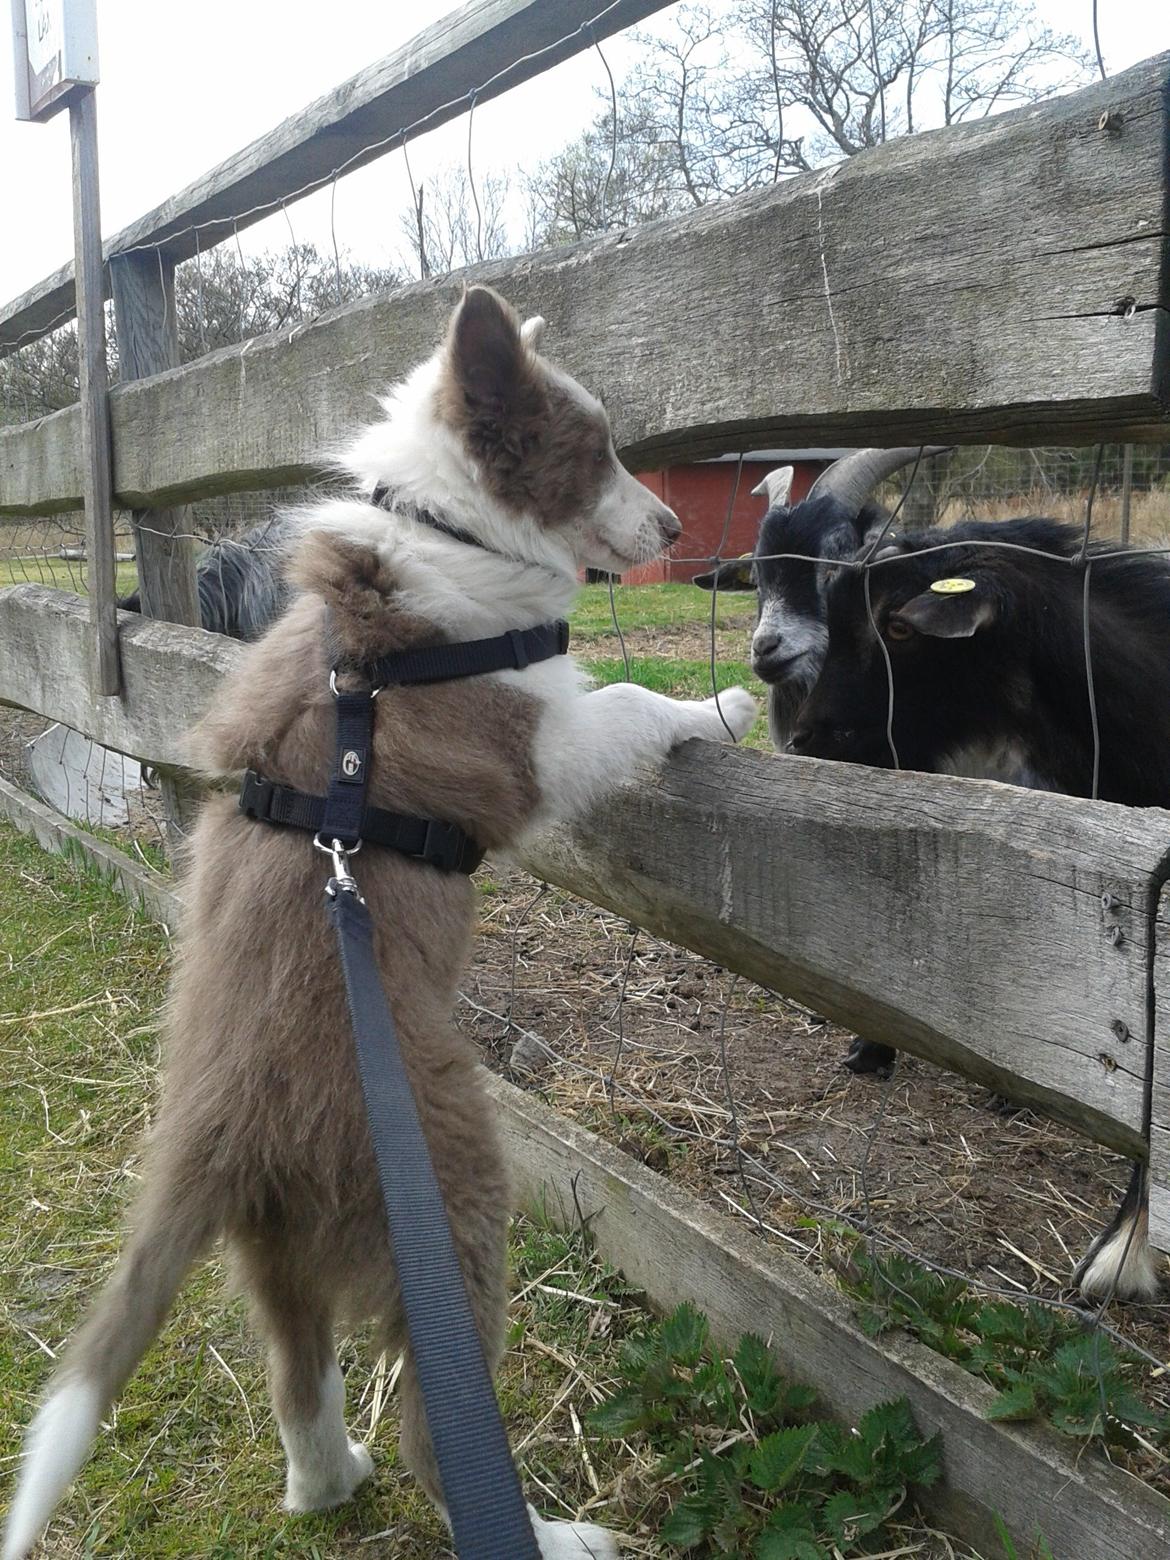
<point>955,587</point>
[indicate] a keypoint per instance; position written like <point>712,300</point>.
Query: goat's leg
<point>1120,1263</point>
<point>869,1056</point>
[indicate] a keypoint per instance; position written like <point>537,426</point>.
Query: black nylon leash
<point>485,1504</point>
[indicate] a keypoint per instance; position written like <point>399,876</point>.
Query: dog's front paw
<point>733,714</point>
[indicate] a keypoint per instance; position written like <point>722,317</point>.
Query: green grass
<point>655,606</point>
<point>63,573</point>
<point>193,1465</point>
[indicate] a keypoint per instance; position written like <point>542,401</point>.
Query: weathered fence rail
<point>485,48</point>
<point>998,281</point>
<point>1005,933</point>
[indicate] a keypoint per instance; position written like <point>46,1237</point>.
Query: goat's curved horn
<point>852,479</point>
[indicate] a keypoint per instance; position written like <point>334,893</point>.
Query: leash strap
<point>489,1519</point>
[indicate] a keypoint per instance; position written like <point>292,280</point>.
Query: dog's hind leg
<point>172,1228</point>
<point>308,1391</point>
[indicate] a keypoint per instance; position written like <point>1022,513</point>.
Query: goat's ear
<point>532,332</point>
<point>735,574</point>
<point>776,486</point>
<point>947,615</point>
<point>485,352</point>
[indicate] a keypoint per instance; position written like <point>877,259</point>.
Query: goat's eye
<point>898,629</point>
<point>602,455</point>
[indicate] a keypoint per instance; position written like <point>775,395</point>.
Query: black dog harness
<point>485,1505</point>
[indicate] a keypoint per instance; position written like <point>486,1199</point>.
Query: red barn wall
<point>699,495</point>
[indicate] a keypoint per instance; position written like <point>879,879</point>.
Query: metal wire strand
<point>715,593</point>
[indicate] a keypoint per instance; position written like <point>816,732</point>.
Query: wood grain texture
<point>959,920</point>
<point>676,1249</point>
<point>961,285</point>
<point>148,343</point>
<point>170,674</point>
<point>485,45</point>
<point>93,407</point>
<point>1160,1076</point>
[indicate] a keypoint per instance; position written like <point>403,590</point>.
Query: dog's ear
<point>487,356</point>
<point>532,332</point>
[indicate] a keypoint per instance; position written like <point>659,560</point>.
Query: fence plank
<point>93,385</point>
<point>1023,233</point>
<point>486,45</point>
<point>148,343</point>
<point>170,674</point>
<point>143,287</point>
<point>1160,1077</point>
<point>959,920</point>
<point>962,921</point>
<point>667,1242</point>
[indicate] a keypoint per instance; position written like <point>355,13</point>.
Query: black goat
<point>790,569</point>
<point>989,676</point>
<point>835,521</point>
<point>240,581</point>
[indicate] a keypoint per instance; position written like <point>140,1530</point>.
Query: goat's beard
<point>784,702</point>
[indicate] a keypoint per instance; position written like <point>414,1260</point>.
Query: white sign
<point>54,52</point>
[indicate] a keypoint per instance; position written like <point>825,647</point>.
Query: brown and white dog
<point>260,1136</point>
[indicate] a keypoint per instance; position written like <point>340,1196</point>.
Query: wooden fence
<point>1002,281</point>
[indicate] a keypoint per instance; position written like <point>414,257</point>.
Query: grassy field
<point>193,1465</point>
<point>61,573</point>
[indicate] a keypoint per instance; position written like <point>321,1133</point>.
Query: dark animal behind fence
<point>240,581</point>
<point>795,542</point>
<point>986,674</point>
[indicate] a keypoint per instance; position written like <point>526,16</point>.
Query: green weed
<point>750,1470</point>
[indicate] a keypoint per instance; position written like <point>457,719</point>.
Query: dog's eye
<point>898,628</point>
<point>602,455</point>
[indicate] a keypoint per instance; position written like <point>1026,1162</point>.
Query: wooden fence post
<point>143,288</point>
<point>94,392</point>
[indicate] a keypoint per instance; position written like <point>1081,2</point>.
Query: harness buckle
<point>443,845</point>
<point>343,880</point>
<point>256,796</point>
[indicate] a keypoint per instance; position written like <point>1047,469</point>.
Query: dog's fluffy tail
<point>121,1326</point>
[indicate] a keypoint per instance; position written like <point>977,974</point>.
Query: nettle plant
<point>1045,1364</point>
<point>749,1470</point>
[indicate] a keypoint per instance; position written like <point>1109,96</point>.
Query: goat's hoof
<point>867,1056</point>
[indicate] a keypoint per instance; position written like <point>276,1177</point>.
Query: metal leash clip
<point>343,880</point>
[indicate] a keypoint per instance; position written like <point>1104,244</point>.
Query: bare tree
<point>602,181</point>
<point>713,109</point>
<point>220,298</point>
<point>456,222</point>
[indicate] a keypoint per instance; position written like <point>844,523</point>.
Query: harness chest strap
<point>343,814</point>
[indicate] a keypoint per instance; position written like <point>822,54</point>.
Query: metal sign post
<point>56,63</point>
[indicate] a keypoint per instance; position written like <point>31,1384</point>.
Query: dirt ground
<point>675,1059</point>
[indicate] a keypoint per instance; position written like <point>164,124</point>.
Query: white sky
<point>184,86</point>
